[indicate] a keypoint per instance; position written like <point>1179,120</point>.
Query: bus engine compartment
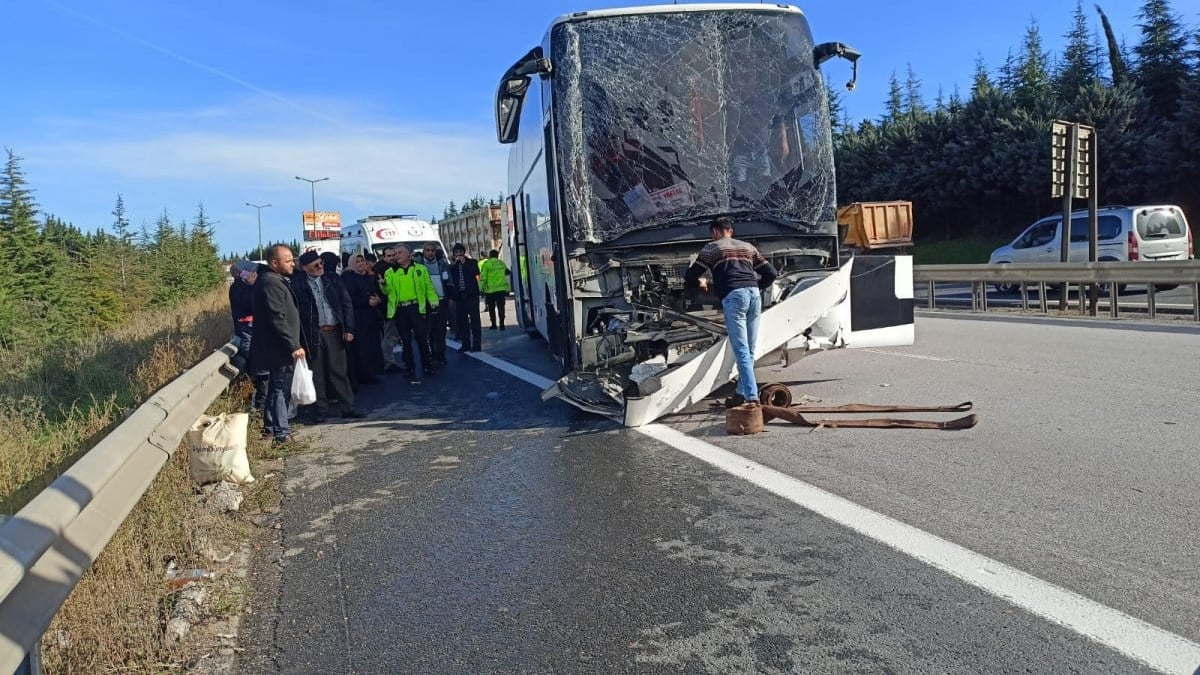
<point>640,322</point>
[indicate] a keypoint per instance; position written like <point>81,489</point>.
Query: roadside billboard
<point>322,225</point>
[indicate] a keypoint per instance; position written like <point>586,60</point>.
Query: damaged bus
<point>631,130</point>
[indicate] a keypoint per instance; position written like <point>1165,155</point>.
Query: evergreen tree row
<point>63,282</point>
<point>981,166</point>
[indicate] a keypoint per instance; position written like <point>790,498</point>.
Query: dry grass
<point>115,619</point>
<point>57,403</point>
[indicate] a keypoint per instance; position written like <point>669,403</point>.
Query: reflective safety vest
<point>493,276</point>
<point>404,286</point>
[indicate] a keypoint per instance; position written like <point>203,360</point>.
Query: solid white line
<point>907,356</point>
<point>1136,639</point>
<point>516,371</point>
<point>1130,636</point>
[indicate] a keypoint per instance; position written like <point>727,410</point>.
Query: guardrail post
<point>974,296</point>
<point>1150,299</point>
<point>931,299</point>
<point>1114,309</point>
<point>1024,298</point>
<point>1042,297</point>
<point>1196,303</point>
<point>32,665</point>
<point>983,295</point>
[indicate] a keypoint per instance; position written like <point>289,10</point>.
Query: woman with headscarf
<point>366,360</point>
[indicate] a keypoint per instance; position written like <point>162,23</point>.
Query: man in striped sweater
<point>739,273</point>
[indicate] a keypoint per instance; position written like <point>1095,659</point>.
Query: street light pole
<point>260,207</point>
<point>312,183</point>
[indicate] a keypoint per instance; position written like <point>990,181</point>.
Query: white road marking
<point>907,356</point>
<point>1133,637</point>
<point>516,371</point>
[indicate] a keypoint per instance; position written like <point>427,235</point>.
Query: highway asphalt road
<point>467,526</point>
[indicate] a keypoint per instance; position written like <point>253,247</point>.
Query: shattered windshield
<point>667,117</point>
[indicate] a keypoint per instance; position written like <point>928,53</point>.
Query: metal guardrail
<point>1046,275</point>
<point>49,544</point>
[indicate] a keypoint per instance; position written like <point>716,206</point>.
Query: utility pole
<point>312,183</point>
<point>260,207</point>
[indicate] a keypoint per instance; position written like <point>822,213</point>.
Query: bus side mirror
<point>508,107</point>
<point>511,95</point>
<point>827,50</point>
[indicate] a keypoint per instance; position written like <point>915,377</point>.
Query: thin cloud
<point>194,63</point>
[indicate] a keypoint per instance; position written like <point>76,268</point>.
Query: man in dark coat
<point>241,306</point>
<point>327,319</point>
<point>462,286</point>
<point>278,340</point>
<point>366,362</point>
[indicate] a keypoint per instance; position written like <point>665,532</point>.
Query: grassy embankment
<point>955,251</point>
<point>53,406</point>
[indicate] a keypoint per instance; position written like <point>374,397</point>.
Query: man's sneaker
<point>286,440</point>
<point>734,401</point>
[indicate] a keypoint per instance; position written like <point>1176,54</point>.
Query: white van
<point>377,233</point>
<point>1147,233</point>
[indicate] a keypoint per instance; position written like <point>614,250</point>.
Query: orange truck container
<point>874,225</point>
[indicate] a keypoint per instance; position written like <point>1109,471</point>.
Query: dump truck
<point>630,131</point>
<point>871,226</point>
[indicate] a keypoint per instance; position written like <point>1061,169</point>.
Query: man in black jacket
<point>241,306</point>
<point>278,340</point>
<point>327,319</point>
<point>462,286</point>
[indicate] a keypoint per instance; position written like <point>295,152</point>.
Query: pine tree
<point>1081,57</point>
<point>203,256</point>
<point>894,105</point>
<point>1161,58</point>
<point>982,82</point>
<point>1116,57</point>
<point>1032,76</point>
<point>19,236</point>
<point>914,106</point>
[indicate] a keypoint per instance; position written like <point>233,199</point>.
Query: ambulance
<point>375,234</point>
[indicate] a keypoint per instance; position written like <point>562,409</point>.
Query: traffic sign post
<point>1073,170</point>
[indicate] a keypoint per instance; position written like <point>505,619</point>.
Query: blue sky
<point>224,102</point>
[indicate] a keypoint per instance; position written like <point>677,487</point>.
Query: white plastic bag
<point>217,449</point>
<point>304,392</point>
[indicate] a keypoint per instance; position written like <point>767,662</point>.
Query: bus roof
<point>669,9</point>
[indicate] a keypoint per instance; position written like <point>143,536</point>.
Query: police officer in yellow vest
<point>493,282</point>
<point>412,301</point>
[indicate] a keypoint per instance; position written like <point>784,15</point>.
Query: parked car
<point>1146,233</point>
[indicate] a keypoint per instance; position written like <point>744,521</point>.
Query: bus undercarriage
<point>650,348</point>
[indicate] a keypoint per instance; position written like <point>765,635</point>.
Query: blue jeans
<point>279,396</point>
<point>742,307</point>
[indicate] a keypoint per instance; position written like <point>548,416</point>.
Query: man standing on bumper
<point>739,274</point>
<point>327,317</point>
<point>278,341</point>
